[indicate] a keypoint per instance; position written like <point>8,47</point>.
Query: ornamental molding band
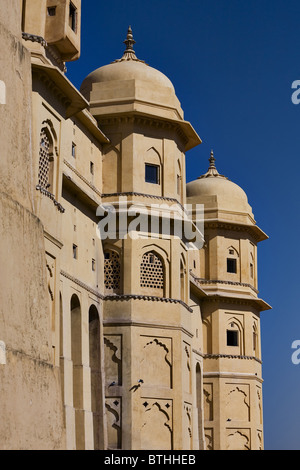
<point>77,173</point>
<point>120,297</point>
<point>34,38</point>
<point>116,297</point>
<point>51,196</point>
<point>153,122</point>
<point>219,281</point>
<point>231,356</point>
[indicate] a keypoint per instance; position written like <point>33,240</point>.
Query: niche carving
<point>208,401</point>
<point>209,438</point>
<point>259,436</point>
<point>186,367</point>
<point>50,268</point>
<point>113,359</point>
<point>238,439</point>
<point>114,430</point>
<point>259,402</point>
<point>188,436</point>
<point>156,365</point>
<point>112,170</point>
<point>156,430</point>
<point>237,402</point>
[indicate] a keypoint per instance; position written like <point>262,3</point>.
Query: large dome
<point>129,87</point>
<point>213,189</point>
<point>129,67</point>
<point>126,70</point>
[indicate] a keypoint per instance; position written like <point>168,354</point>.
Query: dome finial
<point>129,41</point>
<point>212,160</point>
<point>129,53</point>
<point>212,170</point>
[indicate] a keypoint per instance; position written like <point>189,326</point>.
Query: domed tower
<point>227,272</point>
<point>137,107</point>
<point>147,320</point>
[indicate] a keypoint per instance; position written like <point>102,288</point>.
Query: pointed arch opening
<point>96,381</point>
<point>234,336</point>
<point>232,260</point>
<point>76,356</point>
<point>152,274</point>
<point>112,271</point>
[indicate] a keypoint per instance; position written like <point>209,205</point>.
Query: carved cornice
<point>152,298</point>
<point>151,196</point>
<point>90,185</point>
<point>226,356</point>
<point>253,230</point>
<point>203,281</point>
<point>34,38</point>
<point>50,196</point>
<point>120,297</point>
<point>81,284</point>
<point>152,121</point>
<point>50,49</point>
<point>52,86</point>
<point>114,323</point>
<point>231,356</point>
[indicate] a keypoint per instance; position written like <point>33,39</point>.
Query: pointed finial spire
<point>212,170</point>
<point>129,53</point>
<point>129,41</point>
<point>212,160</point>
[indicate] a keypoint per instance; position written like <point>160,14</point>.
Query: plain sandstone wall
<point>31,406</point>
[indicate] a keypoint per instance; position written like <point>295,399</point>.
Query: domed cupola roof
<point>217,191</point>
<point>129,86</point>
<point>129,67</point>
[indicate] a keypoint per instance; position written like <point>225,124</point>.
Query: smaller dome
<point>218,190</point>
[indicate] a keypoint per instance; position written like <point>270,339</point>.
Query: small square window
<point>152,174</point>
<point>51,11</point>
<point>231,265</point>
<point>232,338</point>
<point>75,251</point>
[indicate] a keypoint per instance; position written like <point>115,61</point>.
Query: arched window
<point>152,273</point>
<point>234,336</point>
<point>45,176</point>
<point>112,272</point>
<point>153,172</point>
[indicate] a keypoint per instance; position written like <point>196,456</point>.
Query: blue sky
<point>232,64</point>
